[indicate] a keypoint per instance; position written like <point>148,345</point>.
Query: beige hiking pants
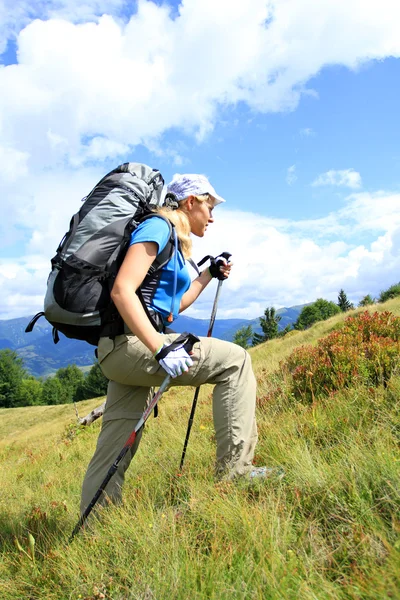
<point>133,371</point>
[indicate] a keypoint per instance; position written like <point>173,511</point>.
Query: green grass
<point>330,529</point>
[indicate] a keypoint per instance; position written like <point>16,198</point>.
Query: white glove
<point>176,361</point>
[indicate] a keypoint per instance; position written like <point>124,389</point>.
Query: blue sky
<point>296,125</point>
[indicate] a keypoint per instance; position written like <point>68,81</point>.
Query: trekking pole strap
<point>187,340</point>
<point>225,255</point>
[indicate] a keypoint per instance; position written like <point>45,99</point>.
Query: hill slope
<point>330,529</point>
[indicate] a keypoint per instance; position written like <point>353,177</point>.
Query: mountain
<point>42,358</point>
<point>200,326</point>
<point>12,332</point>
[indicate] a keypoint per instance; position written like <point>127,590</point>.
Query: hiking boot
<point>266,472</point>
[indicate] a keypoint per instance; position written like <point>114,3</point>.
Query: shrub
<point>365,349</point>
<point>391,292</point>
<point>320,310</point>
<point>367,301</point>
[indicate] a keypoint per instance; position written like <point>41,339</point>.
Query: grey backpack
<point>78,301</point>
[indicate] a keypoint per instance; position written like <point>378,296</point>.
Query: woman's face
<point>200,215</point>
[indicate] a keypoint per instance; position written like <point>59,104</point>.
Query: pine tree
<point>269,325</point>
<point>343,303</point>
<point>243,336</point>
<point>257,338</point>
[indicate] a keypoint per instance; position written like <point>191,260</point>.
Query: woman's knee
<point>239,357</point>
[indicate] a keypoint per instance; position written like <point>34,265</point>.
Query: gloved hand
<point>174,358</point>
<point>215,264</point>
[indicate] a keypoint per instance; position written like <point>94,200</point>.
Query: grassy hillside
<point>330,529</point>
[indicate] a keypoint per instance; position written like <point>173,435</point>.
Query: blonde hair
<point>179,218</point>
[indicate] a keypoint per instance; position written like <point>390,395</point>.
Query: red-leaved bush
<point>364,350</point>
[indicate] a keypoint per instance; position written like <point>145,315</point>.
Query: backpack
<point>78,301</point>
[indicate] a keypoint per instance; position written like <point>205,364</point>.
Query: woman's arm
<point>199,284</point>
<point>134,268</point>
<point>196,287</point>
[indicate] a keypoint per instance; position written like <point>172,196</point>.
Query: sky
<point>291,111</point>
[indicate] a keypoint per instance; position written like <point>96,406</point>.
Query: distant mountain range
<point>42,358</point>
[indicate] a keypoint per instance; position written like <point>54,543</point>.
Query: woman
<point>130,360</point>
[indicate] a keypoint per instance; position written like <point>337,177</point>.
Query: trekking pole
<point>187,340</point>
<point>227,256</point>
<point>128,445</point>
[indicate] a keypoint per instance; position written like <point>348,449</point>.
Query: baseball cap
<point>186,185</point>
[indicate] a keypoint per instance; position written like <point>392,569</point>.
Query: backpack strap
<point>32,322</point>
<point>116,326</point>
<point>193,264</point>
<point>150,282</point>
<point>166,254</point>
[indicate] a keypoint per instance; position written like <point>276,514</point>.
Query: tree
<point>269,325</point>
<point>283,332</point>
<point>391,292</point>
<point>366,301</point>
<point>53,392</point>
<point>258,338</point>
<point>243,336</point>
<point>343,303</point>
<point>94,385</point>
<point>30,392</point>
<point>11,374</point>
<point>320,310</point>
<point>71,378</point>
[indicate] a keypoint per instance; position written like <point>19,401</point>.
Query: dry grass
<point>330,529</point>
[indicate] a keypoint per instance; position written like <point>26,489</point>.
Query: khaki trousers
<point>133,371</point>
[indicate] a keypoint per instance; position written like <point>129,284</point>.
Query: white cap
<point>186,185</point>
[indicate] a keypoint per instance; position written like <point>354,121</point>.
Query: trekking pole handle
<point>218,263</point>
<point>227,256</point>
<point>214,261</point>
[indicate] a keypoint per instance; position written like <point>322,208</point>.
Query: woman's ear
<point>190,202</point>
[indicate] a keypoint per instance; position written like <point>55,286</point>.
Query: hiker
<point>131,360</point>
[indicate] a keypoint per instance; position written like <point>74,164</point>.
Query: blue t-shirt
<point>157,230</point>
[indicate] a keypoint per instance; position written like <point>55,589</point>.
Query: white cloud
<point>13,164</point>
<point>345,178</point>
<point>307,132</point>
<point>90,85</point>
<point>87,76</point>
<point>276,262</point>
<point>291,176</point>
<point>281,263</point>
<point>16,14</point>
<point>38,207</point>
